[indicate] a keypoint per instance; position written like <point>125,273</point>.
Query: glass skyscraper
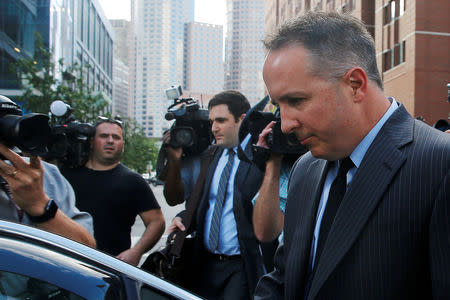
<point>244,51</point>
<point>156,58</point>
<point>74,30</point>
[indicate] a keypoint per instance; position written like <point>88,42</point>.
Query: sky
<point>206,11</point>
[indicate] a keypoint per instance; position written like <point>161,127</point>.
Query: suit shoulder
<point>435,143</point>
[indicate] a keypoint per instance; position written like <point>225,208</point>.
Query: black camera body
<point>277,141</point>
<point>254,122</point>
<point>30,133</point>
<point>70,140</point>
<point>191,129</point>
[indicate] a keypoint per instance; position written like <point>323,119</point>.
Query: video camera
<point>254,123</point>
<point>191,129</point>
<point>70,139</point>
<point>30,133</point>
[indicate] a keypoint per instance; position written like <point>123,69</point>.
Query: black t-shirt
<point>114,198</point>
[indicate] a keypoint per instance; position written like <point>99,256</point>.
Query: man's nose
<point>288,122</point>
<point>214,127</point>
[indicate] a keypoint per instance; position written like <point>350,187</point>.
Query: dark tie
<point>337,192</point>
<point>220,199</point>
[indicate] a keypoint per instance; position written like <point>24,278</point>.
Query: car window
<point>15,287</point>
<point>148,293</point>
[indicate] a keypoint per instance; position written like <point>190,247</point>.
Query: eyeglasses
<point>116,121</point>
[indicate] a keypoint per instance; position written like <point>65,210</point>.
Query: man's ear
<point>241,118</point>
<point>357,80</point>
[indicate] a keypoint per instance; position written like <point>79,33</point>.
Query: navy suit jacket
<point>246,184</point>
<point>391,235</point>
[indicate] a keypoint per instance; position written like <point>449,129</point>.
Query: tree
<point>44,82</point>
<point>139,149</point>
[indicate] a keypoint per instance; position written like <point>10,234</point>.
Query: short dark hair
<point>237,103</point>
<point>116,121</point>
<point>336,43</point>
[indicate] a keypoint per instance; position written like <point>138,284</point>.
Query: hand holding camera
<point>173,153</point>
<point>25,181</point>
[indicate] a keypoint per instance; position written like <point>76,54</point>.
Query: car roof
<point>67,246</point>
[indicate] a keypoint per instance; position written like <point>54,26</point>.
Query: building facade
<point>156,58</point>
<point>244,52</point>
<point>75,31</point>
<point>203,62</point>
<point>412,41</point>
<point>121,101</point>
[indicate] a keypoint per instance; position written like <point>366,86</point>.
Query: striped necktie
<point>220,199</point>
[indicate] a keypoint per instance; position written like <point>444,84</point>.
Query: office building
<point>75,31</point>
<point>203,62</point>
<point>156,58</point>
<point>121,100</point>
<point>244,52</point>
<point>412,40</point>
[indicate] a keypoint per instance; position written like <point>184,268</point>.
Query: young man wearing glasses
<point>115,195</point>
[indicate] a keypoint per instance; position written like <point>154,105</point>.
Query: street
<point>169,213</point>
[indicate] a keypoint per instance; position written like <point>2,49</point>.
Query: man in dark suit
<point>368,208</point>
<point>227,261</point>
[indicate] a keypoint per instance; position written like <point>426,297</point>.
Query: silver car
<point>35,264</point>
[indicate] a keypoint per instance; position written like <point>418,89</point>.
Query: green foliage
<point>42,85</point>
<point>139,149</point>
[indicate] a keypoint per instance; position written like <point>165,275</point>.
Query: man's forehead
<point>108,128</point>
<point>219,111</point>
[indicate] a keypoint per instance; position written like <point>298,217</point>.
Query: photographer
<point>226,249</point>
<point>180,172</point>
<point>33,204</point>
<point>115,195</point>
<point>34,192</point>
<point>269,204</point>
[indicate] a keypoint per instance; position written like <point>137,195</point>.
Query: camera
<point>255,121</point>
<point>70,139</point>
<point>277,141</point>
<point>30,133</point>
<point>191,129</point>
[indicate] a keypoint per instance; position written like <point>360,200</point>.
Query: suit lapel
<point>381,162</point>
<point>305,212</point>
<point>203,205</point>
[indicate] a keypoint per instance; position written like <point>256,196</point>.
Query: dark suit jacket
<point>246,184</point>
<point>391,235</point>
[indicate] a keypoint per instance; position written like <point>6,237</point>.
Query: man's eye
<point>295,101</point>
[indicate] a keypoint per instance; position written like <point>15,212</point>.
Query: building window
<point>402,7</point>
<point>394,56</point>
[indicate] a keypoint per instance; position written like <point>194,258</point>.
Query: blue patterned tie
<point>220,199</point>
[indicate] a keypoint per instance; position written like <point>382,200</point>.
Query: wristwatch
<point>49,213</point>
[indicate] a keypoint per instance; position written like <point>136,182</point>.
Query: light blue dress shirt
<point>228,239</point>
<point>356,156</point>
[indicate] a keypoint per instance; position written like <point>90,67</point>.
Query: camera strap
<point>5,187</point>
<point>191,204</point>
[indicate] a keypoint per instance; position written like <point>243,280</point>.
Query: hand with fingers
<point>177,224</point>
<point>262,138</point>
<point>25,181</point>
<point>173,154</point>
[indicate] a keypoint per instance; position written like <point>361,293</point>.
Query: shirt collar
<point>359,152</point>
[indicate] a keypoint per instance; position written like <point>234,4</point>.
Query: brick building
<point>412,39</point>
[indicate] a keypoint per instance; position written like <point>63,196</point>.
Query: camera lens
<point>182,136</point>
<point>31,133</point>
